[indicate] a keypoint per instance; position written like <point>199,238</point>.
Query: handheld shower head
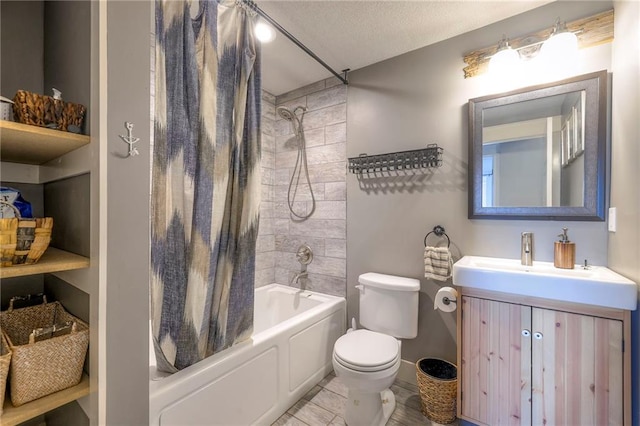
<point>295,117</point>
<point>290,115</point>
<point>285,113</point>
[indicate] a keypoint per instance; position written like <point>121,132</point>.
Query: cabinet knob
<point>526,333</point>
<point>537,335</point>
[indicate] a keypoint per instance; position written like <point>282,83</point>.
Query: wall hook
<point>130,140</point>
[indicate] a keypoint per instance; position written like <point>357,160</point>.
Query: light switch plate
<point>612,219</point>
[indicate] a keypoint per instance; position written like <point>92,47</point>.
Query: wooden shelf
<point>16,415</point>
<point>53,260</point>
<point>21,143</point>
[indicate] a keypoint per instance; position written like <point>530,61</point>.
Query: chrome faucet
<point>305,257</point>
<point>526,249</point>
<point>298,276</point>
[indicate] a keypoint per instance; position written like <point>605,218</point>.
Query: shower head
<point>285,113</point>
<point>290,115</point>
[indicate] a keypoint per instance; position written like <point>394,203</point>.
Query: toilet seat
<point>366,351</point>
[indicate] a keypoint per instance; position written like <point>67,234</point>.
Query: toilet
<point>367,360</point>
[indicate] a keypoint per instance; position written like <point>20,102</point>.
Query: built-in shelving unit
<point>53,260</point>
<point>25,144</point>
<point>15,415</point>
<point>22,143</point>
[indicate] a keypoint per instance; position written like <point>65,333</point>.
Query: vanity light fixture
<point>557,53</point>
<point>584,32</point>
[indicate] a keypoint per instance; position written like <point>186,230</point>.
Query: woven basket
<point>41,110</point>
<point>23,241</point>
<point>47,366</point>
<point>5,360</point>
<point>438,395</point>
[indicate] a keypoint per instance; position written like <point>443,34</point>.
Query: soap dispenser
<point>564,253</point>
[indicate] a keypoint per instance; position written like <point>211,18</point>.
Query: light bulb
<point>560,46</point>
<point>264,32</point>
<point>505,66</point>
<point>559,54</point>
<point>503,61</point>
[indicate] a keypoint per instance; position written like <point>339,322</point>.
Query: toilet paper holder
<point>448,301</point>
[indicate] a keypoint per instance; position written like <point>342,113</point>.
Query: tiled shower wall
<point>325,230</point>
<point>265,245</point>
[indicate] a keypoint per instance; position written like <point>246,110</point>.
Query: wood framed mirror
<point>539,152</point>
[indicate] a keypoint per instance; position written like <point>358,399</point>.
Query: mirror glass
<point>539,152</point>
<point>532,153</point>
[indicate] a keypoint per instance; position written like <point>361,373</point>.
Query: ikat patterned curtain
<point>206,179</point>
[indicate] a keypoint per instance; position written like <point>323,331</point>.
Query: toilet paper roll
<point>446,299</point>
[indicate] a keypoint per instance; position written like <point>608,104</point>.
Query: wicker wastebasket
<point>438,384</point>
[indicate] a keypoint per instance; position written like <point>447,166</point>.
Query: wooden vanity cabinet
<point>527,361</point>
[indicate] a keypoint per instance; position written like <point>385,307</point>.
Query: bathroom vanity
<point>540,345</point>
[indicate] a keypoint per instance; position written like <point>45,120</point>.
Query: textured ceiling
<point>354,34</point>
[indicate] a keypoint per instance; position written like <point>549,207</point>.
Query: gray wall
<point>67,50</point>
<point>41,49</point>
<point>524,162</point>
<point>127,229</point>
<point>68,202</point>
<point>624,245</point>
<point>22,44</point>
<point>573,183</point>
<point>419,98</point>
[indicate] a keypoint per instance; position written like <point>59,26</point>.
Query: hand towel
<point>437,263</point>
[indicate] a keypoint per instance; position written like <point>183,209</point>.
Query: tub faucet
<point>305,257</point>
<point>526,249</point>
<point>298,276</point>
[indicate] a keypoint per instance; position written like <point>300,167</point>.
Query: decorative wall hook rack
<point>428,157</point>
<point>130,140</point>
<point>440,232</point>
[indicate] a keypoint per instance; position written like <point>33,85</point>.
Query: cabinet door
<point>496,362</point>
<point>577,369</point>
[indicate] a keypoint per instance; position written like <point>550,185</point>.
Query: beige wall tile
<point>303,91</point>
<point>335,191</point>
<point>333,96</point>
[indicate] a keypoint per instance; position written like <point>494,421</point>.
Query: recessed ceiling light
<point>264,32</point>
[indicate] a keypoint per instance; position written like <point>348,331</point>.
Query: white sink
<point>596,285</point>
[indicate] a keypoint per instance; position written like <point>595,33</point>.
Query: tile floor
<point>324,405</point>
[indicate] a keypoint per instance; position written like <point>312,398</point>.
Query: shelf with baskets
<point>15,415</point>
<point>53,260</point>
<point>22,143</point>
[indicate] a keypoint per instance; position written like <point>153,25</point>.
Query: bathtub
<point>256,381</point>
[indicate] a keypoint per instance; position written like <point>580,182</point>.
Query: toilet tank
<point>389,304</point>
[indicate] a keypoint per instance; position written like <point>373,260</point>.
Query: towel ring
<point>439,231</point>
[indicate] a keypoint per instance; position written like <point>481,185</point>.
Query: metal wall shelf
<point>428,157</point>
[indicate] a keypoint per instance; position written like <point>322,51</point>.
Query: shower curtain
<point>205,180</point>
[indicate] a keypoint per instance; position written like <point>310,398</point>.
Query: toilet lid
<point>366,350</point>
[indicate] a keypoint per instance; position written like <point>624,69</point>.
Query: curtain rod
<point>253,6</point>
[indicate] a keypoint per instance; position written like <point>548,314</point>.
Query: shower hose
<point>300,167</point>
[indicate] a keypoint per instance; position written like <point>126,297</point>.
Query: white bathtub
<point>256,381</point>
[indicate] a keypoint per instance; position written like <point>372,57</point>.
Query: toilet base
<point>369,409</point>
